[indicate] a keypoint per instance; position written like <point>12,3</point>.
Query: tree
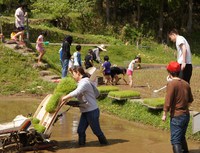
<point>55,10</point>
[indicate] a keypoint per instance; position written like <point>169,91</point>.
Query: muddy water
<point>123,136</point>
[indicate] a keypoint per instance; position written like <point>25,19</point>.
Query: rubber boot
<point>81,141</point>
<point>103,140</point>
<point>185,147</point>
<point>177,148</point>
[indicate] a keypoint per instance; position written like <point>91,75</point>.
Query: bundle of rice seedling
<point>124,94</point>
<point>154,102</point>
<point>107,89</point>
<point>65,86</point>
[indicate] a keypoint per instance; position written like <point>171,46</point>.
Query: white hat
<point>102,47</point>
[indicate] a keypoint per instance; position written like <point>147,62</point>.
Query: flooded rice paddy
<point>123,136</point>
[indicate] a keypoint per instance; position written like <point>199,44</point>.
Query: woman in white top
<point>85,93</point>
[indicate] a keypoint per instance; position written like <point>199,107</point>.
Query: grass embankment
<point>18,75</point>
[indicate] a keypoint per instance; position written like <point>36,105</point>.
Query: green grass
<point>17,74</point>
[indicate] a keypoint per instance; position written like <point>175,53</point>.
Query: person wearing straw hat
<point>96,53</point>
<point>177,100</point>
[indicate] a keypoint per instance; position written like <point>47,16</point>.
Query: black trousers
<point>186,73</point>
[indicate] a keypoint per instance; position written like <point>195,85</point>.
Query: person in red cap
<point>177,101</point>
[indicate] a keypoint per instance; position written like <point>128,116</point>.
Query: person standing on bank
<point>19,22</point>
<point>66,54</point>
<point>184,57</point>
<point>77,56</point>
<point>96,53</point>
<point>90,113</point>
<point>177,101</point>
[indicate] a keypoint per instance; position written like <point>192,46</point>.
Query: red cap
<point>174,67</point>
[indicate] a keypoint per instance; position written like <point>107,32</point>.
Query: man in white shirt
<point>19,22</point>
<point>184,56</point>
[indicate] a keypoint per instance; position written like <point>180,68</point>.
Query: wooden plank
<point>41,108</point>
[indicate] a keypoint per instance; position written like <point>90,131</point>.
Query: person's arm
<point>164,116</point>
<point>79,90</point>
<point>66,98</point>
<point>184,52</point>
<point>168,99</point>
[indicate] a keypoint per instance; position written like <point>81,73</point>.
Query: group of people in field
<point>178,93</point>
<point>110,72</point>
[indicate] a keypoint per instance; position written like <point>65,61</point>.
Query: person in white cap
<point>96,53</point>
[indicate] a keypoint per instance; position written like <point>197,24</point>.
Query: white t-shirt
<point>131,65</point>
<point>20,14</point>
<point>181,40</point>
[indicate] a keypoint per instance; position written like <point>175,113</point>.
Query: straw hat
<point>102,47</point>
